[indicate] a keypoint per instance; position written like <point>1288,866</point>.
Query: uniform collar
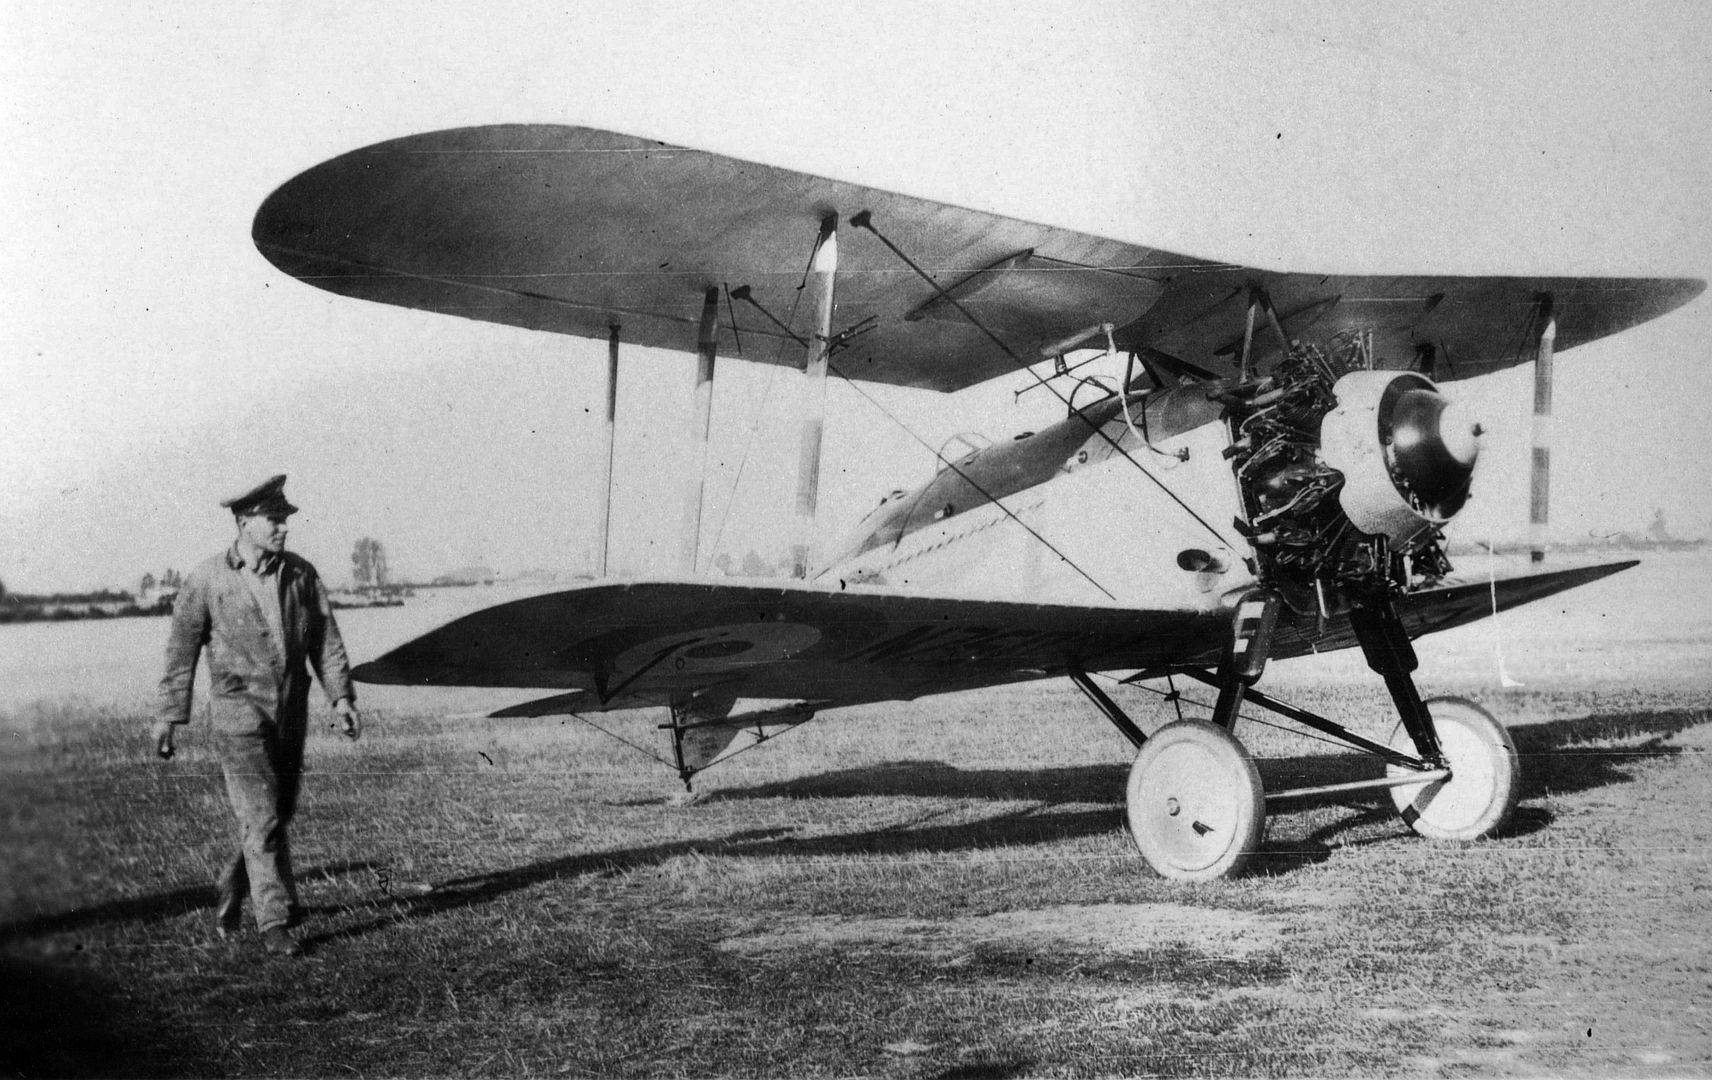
<point>266,561</point>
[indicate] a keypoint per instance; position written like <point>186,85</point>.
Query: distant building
<point>468,575</point>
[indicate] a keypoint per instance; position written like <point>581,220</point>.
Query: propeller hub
<point>1460,432</point>
<point>1431,446</point>
<point>1407,454</point>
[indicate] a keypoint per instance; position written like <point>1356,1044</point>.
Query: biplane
<point>1270,477</point>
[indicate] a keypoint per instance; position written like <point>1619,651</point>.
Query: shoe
<point>276,941</point>
<point>228,911</point>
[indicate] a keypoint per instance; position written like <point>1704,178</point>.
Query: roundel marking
<point>715,649</point>
<point>718,650</point>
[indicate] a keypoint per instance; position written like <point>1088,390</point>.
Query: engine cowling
<point>1347,474</point>
<point>1406,453</point>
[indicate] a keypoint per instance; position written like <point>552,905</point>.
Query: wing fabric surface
<point>573,230</point>
<point>623,645</point>
<point>1451,604</point>
<point>612,646</point>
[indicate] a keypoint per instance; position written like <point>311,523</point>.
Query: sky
<point>152,362</point>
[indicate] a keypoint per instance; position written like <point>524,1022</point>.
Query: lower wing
<point>1451,603</point>
<point>624,645</point>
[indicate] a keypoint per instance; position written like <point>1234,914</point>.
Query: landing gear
<point>1480,793</point>
<point>1195,806</point>
<point>1458,736</point>
<point>1194,802</point>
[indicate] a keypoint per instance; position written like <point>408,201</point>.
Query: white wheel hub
<point>1194,802</point>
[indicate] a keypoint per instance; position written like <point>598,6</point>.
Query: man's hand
<point>162,735</point>
<point>349,718</point>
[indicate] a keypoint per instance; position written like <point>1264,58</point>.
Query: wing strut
<point>707,346</point>
<point>605,515</point>
<point>823,268</point>
<point>1539,486</point>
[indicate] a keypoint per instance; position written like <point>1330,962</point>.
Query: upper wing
<point>574,230</point>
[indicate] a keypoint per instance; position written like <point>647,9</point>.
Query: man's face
<point>265,531</point>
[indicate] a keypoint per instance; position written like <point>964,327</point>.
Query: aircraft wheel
<point>1194,802</point>
<point>1484,784</point>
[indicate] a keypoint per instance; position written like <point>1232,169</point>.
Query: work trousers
<point>263,771</point>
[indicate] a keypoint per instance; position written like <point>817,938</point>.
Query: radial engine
<point>1347,475</point>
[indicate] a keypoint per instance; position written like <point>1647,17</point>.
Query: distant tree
<point>723,563</point>
<point>2,590</point>
<point>368,564</point>
<point>147,585</point>
<point>752,565</point>
<point>171,579</point>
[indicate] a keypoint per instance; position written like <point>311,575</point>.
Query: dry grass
<point>937,889</point>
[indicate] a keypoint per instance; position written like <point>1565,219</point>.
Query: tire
<point>1485,780</point>
<point>1194,803</point>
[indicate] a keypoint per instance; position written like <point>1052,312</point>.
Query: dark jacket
<point>249,683</point>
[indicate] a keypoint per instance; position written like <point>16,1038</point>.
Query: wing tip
<point>379,673</point>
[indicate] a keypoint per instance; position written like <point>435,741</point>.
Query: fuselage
<point>1098,508</point>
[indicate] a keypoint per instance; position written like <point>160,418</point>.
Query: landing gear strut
<point>1458,736</point>
<point>1194,802</point>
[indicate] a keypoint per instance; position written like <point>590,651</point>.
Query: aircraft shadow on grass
<point>1553,762</point>
<point>1559,757</point>
<point>1021,826</point>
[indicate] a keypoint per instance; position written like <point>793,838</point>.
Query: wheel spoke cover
<point>1481,793</point>
<point>1195,806</point>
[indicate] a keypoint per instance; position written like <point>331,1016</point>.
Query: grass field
<point>936,889</point>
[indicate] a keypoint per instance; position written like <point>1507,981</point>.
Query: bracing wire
<point>644,751</point>
<point>647,753</point>
<point>754,426</point>
<point>1178,697</point>
<point>864,220</point>
<point>760,739</point>
<point>971,482</point>
<point>766,393</point>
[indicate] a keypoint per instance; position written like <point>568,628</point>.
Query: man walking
<point>260,613</point>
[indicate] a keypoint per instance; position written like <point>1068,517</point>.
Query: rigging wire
<point>971,482</point>
<point>912,434</point>
<point>1177,696</point>
<point>760,738</point>
<point>864,220</point>
<point>766,394</point>
<point>731,313</point>
<point>754,427</point>
<point>644,751</point>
